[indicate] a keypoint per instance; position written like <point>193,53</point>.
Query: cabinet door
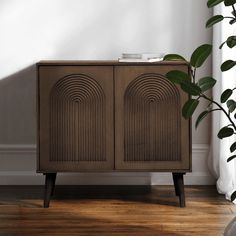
<point>150,131</point>
<point>75,118</point>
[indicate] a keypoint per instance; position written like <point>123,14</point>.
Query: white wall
<point>32,30</point>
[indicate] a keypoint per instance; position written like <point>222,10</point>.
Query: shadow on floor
<point>143,194</point>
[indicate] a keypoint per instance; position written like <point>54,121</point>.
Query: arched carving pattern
<point>77,120</point>
<point>152,120</point>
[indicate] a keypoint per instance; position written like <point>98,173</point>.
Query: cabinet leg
<point>175,184</point>
<point>54,182</point>
<point>49,187</point>
<point>179,187</point>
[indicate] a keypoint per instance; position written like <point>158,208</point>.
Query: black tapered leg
<point>49,187</point>
<point>175,184</point>
<point>54,182</point>
<point>179,187</point>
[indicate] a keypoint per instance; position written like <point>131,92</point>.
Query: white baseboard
<point>18,163</point>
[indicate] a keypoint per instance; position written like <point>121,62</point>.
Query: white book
<point>154,59</point>
<point>152,55</point>
<point>132,55</point>
<point>141,57</point>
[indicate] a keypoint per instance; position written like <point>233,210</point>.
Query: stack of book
<point>141,57</point>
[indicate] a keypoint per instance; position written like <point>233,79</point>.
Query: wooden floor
<point>113,211</point>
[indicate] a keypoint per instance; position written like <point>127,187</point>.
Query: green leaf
<point>173,57</point>
<point>212,3</point>
<point>233,13</point>
<point>231,158</point>
<point>200,55</point>
<point>233,196</point>
<point>231,104</point>
<point>231,41</point>
<point>225,95</point>
<point>206,83</point>
<point>189,108</point>
<point>214,20</point>
<point>227,65</point>
<point>201,117</point>
<point>229,2</point>
<point>177,76</point>
<point>235,116</point>
<point>225,132</point>
<point>233,147</point>
<point>190,88</point>
<point>232,21</point>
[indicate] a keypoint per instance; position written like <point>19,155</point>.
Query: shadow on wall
<point>100,31</point>
<point>18,107</point>
<point>18,127</point>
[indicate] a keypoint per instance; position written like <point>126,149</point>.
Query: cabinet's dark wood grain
<point>151,133</point>
<point>107,116</point>
<point>75,118</point>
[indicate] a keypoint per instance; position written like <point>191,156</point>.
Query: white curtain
<point>223,171</point>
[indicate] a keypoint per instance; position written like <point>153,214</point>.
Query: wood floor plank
<point>113,211</point>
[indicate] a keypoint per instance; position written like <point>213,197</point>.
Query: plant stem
<point>221,108</point>
<point>194,74</point>
<point>217,109</point>
<point>229,17</point>
<point>234,10</point>
<point>191,72</point>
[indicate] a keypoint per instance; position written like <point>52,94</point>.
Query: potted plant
<point>198,89</point>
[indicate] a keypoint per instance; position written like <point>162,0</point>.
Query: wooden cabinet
<point>110,116</point>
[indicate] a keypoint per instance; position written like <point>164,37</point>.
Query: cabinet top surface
<point>104,63</point>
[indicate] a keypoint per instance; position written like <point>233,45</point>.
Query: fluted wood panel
<point>151,133</point>
<point>77,120</point>
<point>152,120</point>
